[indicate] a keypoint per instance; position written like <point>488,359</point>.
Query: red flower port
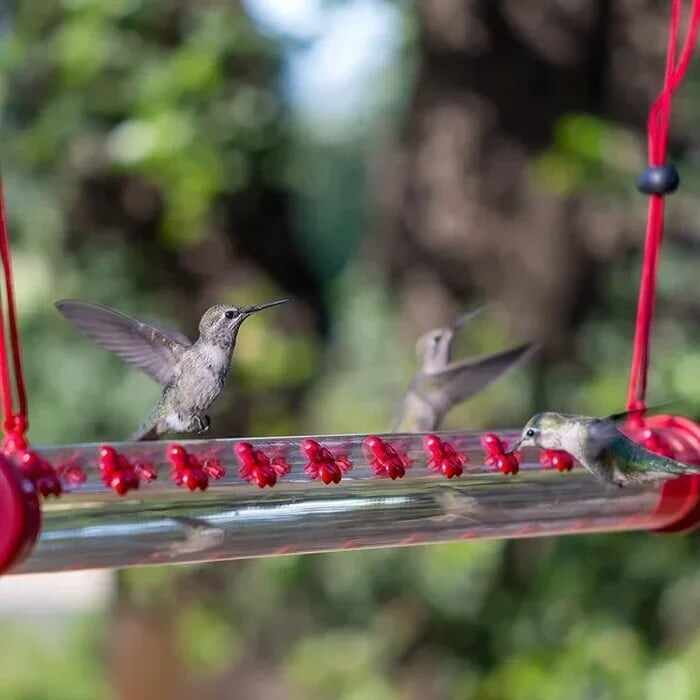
<point>497,455</point>
<point>256,467</point>
<point>323,464</point>
<point>37,469</point>
<point>443,458</point>
<point>556,459</point>
<point>189,471</point>
<point>120,474</point>
<point>41,473</point>
<point>384,459</point>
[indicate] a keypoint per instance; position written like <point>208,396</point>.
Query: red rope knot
<point>497,455</point>
<point>384,459</point>
<point>443,458</point>
<point>120,474</point>
<point>256,467</point>
<point>34,467</point>
<point>15,424</point>
<point>189,471</point>
<point>323,464</point>
<point>14,439</point>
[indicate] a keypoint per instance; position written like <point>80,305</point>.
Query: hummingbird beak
<point>465,318</point>
<point>248,310</point>
<point>516,446</point>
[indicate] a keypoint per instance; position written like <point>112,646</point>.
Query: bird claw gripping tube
<point>271,496</point>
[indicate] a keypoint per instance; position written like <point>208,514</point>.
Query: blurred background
<point>387,165</point>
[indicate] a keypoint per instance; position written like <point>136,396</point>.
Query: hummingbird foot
<point>203,423</point>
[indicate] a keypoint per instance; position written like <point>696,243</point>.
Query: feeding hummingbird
<point>440,383</point>
<point>600,447</point>
<point>192,374</point>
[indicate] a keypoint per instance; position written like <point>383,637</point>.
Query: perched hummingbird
<point>192,374</point>
<point>600,447</point>
<point>440,383</point>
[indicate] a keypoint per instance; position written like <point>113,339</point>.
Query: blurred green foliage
<point>150,162</point>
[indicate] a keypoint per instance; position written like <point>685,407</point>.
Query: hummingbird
<point>440,383</point>
<point>192,374</point>
<point>600,447</point>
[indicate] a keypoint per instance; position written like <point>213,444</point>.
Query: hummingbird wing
<point>623,415</point>
<point>462,379</point>
<point>601,433</point>
<point>172,333</point>
<point>153,350</point>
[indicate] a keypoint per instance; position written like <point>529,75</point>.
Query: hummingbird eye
<point>530,433</point>
<point>229,314</point>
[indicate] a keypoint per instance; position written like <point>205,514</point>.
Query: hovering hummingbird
<point>192,374</point>
<point>600,447</point>
<point>440,383</point>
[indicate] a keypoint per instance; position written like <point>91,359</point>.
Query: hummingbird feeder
<point>105,506</point>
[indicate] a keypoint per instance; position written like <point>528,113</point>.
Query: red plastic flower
<point>189,471</point>
<point>384,459</point>
<point>40,472</point>
<point>557,459</point>
<point>323,464</point>
<point>443,458</point>
<point>256,467</point>
<point>37,469</point>
<point>120,474</point>
<point>497,455</point>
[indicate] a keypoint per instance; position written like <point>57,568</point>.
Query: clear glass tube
<point>91,527</point>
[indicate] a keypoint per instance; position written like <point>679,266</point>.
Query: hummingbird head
<point>433,349</point>
<point>220,323</point>
<point>545,430</point>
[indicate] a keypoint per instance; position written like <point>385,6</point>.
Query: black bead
<point>662,179</point>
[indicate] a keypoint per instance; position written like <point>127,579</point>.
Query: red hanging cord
<point>657,128</point>
<point>670,435</point>
<point>14,422</point>
<point>20,512</point>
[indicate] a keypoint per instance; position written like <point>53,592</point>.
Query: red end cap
<point>20,515</point>
<point>680,498</point>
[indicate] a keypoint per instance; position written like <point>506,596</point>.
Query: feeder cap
<point>20,515</point>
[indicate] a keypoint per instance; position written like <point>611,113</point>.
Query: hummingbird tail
<point>671,466</point>
<point>685,469</point>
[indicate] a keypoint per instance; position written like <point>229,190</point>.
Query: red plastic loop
<point>20,515</point>
<point>678,438</point>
